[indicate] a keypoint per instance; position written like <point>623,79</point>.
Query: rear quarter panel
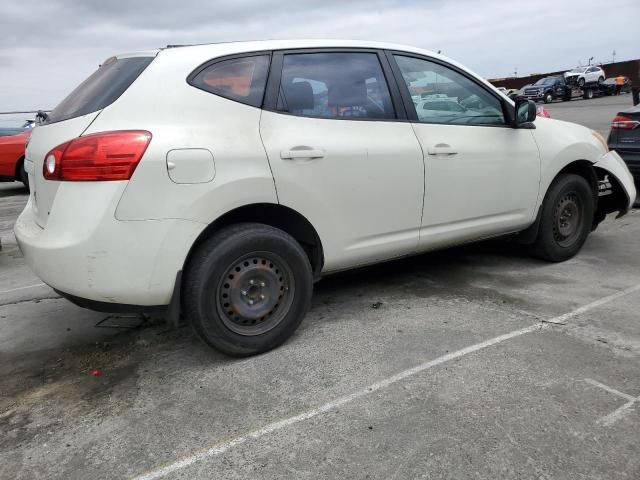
<point>180,116</point>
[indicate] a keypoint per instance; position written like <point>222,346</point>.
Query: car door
<point>340,154</point>
<point>481,175</point>
<point>588,75</point>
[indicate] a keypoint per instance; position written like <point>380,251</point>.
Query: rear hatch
<point>73,116</point>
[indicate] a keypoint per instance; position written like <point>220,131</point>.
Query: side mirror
<point>525,113</point>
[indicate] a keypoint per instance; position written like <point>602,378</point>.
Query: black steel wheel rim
<point>568,219</point>
<point>255,293</point>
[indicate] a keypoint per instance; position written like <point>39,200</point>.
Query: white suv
<point>219,181</point>
<point>582,75</point>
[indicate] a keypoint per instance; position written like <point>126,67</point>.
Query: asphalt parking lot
<point>596,113</point>
<point>476,362</point>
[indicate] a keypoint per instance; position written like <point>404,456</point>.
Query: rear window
<point>242,79</point>
<point>101,89</point>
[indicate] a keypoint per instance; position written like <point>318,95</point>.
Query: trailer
<point>587,91</point>
<point>556,87</point>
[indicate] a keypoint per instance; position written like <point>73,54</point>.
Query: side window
<point>242,79</point>
<point>334,85</point>
<point>442,95</point>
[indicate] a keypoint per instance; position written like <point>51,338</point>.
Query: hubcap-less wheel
<point>255,293</point>
<point>568,219</point>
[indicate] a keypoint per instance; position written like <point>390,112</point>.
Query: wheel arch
<point>583,168</point>
<point>275,215</point>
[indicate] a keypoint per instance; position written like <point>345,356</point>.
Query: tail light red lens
<point>97,157</point>
<point>624,123</point>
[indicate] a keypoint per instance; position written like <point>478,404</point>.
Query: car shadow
<point>13,189</point>
<point>456,265</point>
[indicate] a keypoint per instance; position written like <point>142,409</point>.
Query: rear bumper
<point>108,307</point>
<point>86,253</point>
<point>632,159</point>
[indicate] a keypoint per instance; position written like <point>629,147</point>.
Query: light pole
<point>614,56</point>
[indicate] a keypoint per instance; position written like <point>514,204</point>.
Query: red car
<point>12,158</point>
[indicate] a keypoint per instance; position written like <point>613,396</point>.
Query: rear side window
<point>101,89</point>
<point>334,85</point>
<point>241,79</point>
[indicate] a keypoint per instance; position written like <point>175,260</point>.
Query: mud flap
<point>174,312</point>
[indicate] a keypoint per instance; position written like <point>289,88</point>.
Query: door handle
<point>441,149</point>
<point>301,152</point>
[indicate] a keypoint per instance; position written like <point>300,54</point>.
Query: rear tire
<point>247,288</point>
<point>567,216</point>
<point>600,80</point>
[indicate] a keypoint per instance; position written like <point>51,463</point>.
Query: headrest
<point>347,94</point>
<point>299,96</point>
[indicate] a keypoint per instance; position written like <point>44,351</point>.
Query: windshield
<point>578,70</point>
<point>101,89</point>
<point>546,81</point>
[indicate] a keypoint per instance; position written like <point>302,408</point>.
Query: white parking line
<point>22,288</point>
<point>222,447</point>
<point>618,413</point>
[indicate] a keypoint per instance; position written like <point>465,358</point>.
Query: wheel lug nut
<point>262,284</point>
<point>250,302</point>
<point>251,282</point>
<point>243,293</point>
<point>261,297</point>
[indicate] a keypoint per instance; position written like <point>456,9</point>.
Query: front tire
<point>581,82</point>
<point>567,216</point>
<point>600,80</point>
<point>247,288</point>
<point>548,98</point>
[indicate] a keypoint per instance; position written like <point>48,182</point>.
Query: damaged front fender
<point>616,189</point>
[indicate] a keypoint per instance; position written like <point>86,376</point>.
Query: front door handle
<point>441,149</point>
<point>301,152</point>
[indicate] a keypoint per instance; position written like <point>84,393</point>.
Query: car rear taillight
<point>624,123</point>
<point>97,157</point>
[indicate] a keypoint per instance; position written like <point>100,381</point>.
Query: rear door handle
<point>301,152</point>
<point>441,149</point>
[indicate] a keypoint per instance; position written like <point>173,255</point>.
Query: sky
<point>47,47</point>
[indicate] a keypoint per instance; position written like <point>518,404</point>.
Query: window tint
<point>101,89</point>
<point>242,79</point>
<point>442,95</point>
<point>334,85</point>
